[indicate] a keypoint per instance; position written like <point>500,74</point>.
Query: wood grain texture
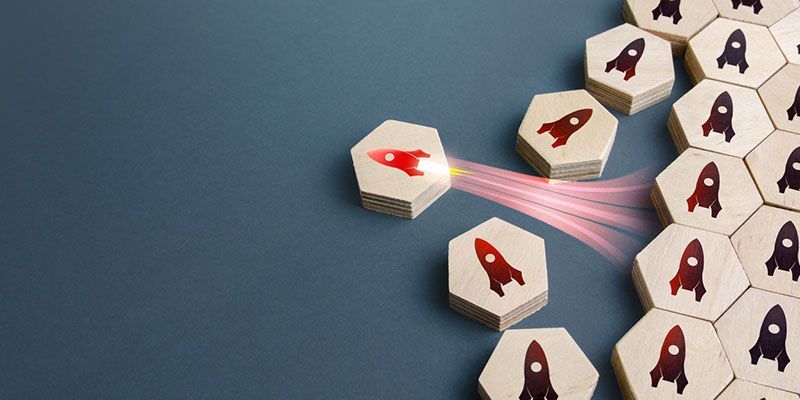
<point>658,265</point>
<point>695,15</point>
<point>755,243</point>
<point>772,11</point>
<point>738,195</point>
<point>740,329</point>
<point>654,72</point>
<point>787,33</point>
<point>769,162</point>
<point>637,353</point>
<point>761,52</point>
<point>739,389</point>
<point>779,94</point>
<point>572,376</point>
<point>584,152</point>
<point>749,120</point>
<point>470,283</point>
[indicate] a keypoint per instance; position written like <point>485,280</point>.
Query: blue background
<point>180,217</point>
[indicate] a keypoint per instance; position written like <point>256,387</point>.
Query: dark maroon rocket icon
<point>771,342</point>
<point>690,271</point>
<point>734,53</point>
<point>706,191</point>
<point>721,118</point>
<point>791,174</point>
<point>627,59</point>
<point>669,9</point>
<point>784,257</point>
<point>498,269</point>
<point>756,4</point>
<point>794,109</point>
<point>537,375</point>
<point>670,361</point>
<point>562,129</point>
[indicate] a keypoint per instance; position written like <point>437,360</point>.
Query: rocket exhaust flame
<point>608,216</point>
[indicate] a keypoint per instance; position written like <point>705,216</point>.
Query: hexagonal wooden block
<point>767,247</point>
<point>497,273</point>
<point>759,335</point>
<point>628,69</point>
<point>671,356</point>
<point>781,95</point>
<point>705,190</point>
<point>689,271</point>
<point>719,117</point>
<point>735,52</point>
<point>537,364</point>
<point>566,135</point>
<point>787,33</point>
<point>775,165</point>
<point>401,168</point>
<point>761,12</point>
<point>739,389</point>
<point>674,20</point>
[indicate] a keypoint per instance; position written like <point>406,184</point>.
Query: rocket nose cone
<point>675,337</point>
<point>381,155</point>
<point>711,171</point>
<point>584,114</point>
<point>776,316</point>
<point>638,44</point>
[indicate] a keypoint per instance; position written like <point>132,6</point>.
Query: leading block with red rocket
<point>406,161</point>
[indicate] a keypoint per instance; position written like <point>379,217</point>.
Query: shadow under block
<point>689,271</point>
<point>537,364</point>
<point>628,69</point>
<point>719,117</point>
<point>739,389</point>
<point>734,52</point>
<point>566,135</point>
<point>670,356</point>
<point>767,245</point>
<point>497,273</point>
<point>787,33</point>
<point>775,166</point>
<point>760,338</point>
<point>705,190</point>
<point>401,168</point>
<point>761,12</point>
<point>674,20</point>
<point>781,96</point>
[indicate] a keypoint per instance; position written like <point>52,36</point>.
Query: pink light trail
<point>610,216</point>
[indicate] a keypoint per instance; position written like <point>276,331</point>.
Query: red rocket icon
<point>406,161</point>
<point>627,59</point>
<point>721,118</point>
<point>498,269</point>
<point>771,343</point>
<point>670,362</point>
<point>706,191</point>
<point>784,257</point>
<point>690,271</point>
<point>537,375</point>
<point>563,128</point>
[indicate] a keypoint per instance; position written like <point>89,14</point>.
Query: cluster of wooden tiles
<point>721,283</point>
<point>401,168</point>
